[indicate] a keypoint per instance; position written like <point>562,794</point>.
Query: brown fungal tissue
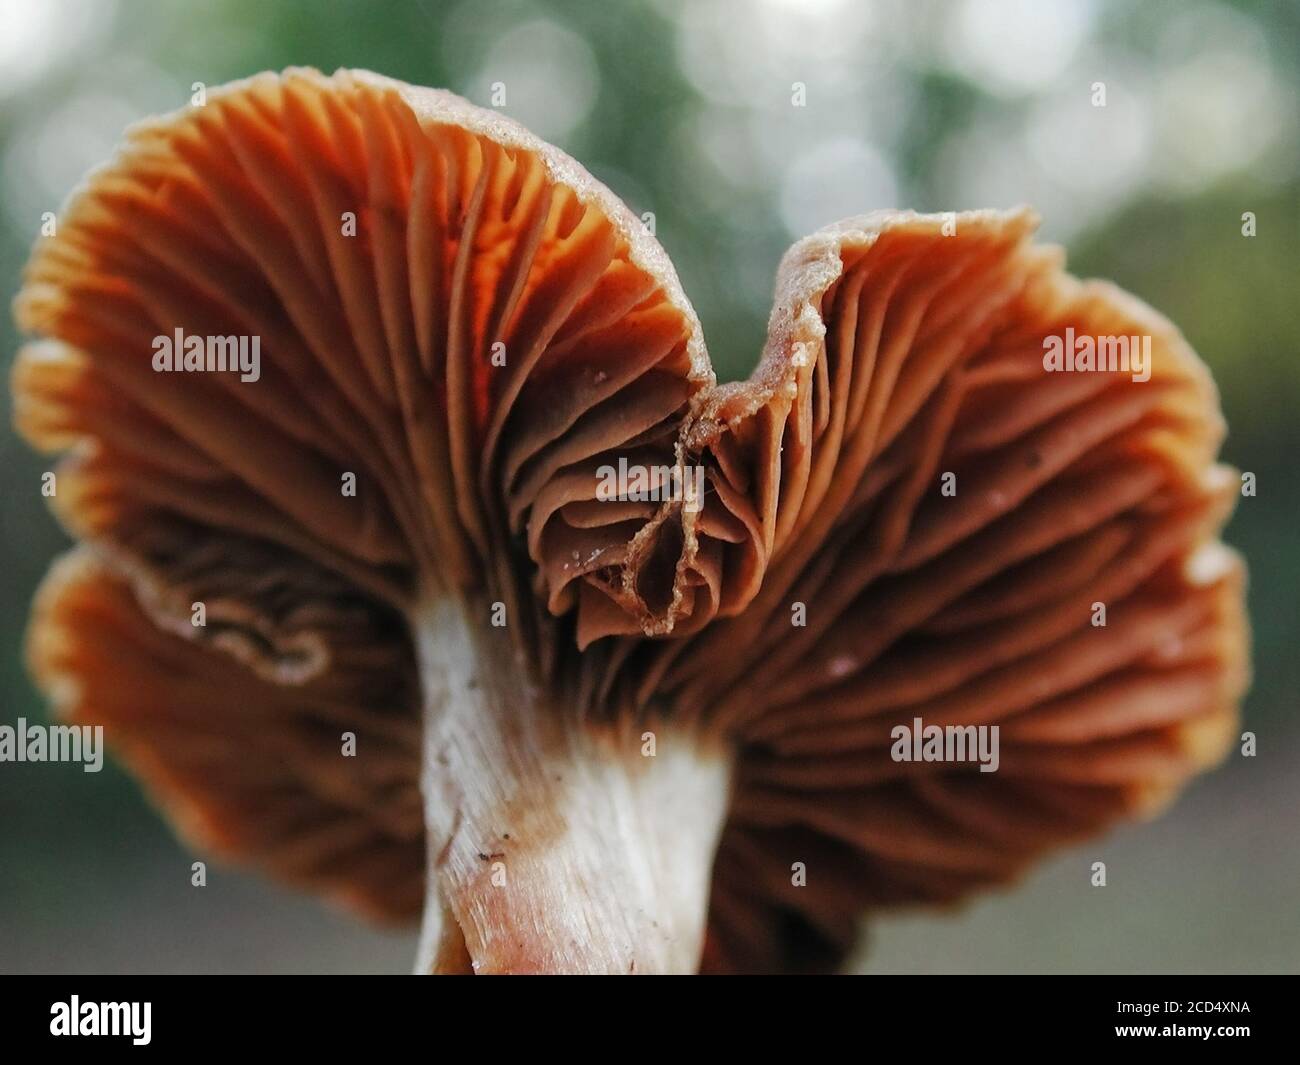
<point>364,618</point>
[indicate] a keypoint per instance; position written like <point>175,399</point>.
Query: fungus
<point>589,734</point>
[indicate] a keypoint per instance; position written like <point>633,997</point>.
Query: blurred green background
<point>684,108</point>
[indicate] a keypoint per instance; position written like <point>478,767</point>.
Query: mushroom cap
<point>901,347</point>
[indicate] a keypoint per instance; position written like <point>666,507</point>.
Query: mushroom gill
<point>597,734</point>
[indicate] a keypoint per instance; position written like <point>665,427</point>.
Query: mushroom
<point>646,733</point>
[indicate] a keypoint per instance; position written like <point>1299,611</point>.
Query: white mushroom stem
<point>555,846</point>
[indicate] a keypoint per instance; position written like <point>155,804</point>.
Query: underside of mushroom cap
<point>935,518</point>
<point>449,310</point>
<point>826,588</point>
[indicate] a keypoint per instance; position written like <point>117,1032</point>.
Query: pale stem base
<point>554,846</point>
